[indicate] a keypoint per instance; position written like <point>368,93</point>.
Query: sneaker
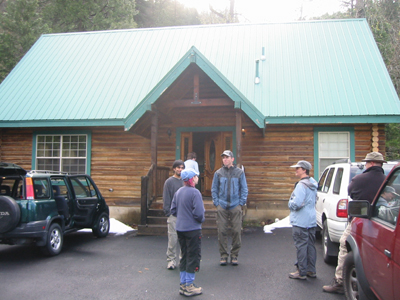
<point>334,287</point>
<point>171,265</point>
<point>182,289</point>
<point>192,290</point>
<point>311,274</point>
<point>296,275</point>
<point>223,261</point>
<point>234,261</point>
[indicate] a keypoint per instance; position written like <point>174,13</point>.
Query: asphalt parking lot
<point>134,267</point>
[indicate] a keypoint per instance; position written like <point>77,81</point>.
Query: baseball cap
<point>188,173</point>
<point>302,164</point>
<point>227,153</point>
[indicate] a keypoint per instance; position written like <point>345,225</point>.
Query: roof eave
<point>365,119</point>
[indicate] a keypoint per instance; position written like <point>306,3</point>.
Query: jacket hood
<point>310,182</point>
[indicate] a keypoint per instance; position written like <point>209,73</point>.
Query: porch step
<point>157,223</point>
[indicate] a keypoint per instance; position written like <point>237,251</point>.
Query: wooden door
<point>214,145</point>
<point>186,144</point>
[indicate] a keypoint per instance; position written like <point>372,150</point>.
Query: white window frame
<point>61,155</point>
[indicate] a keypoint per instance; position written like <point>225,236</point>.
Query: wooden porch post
<point>238,138</point>
<point>153,150</point>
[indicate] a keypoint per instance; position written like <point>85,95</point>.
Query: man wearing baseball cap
<point>362,187</point>
<point>303,220</point>
<point>229,193</point>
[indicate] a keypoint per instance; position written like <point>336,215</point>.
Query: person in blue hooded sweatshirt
<point>188,207</point>
<point>303,221</point>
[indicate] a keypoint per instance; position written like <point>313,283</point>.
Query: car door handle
<point>387,253</point>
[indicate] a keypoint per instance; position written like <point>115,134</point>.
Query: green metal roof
<point>315,72</point>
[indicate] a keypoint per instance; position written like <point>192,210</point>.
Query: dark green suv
<point>42,206</point>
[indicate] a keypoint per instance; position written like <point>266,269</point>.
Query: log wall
<point>120,158</point>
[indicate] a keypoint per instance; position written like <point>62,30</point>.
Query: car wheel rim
<point>353,284</point>
<point>103,224</point>
<point>55,239</point>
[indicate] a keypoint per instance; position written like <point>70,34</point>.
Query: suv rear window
<point>338,181</point>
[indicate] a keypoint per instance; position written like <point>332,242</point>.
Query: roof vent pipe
<point>257,80</point>
<point>263,54</point>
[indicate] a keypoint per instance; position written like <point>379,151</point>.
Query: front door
<point>214,145</point>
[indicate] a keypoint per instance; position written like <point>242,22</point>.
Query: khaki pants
<point>172,249</point>
<point>229,223</point>
<point>342,254</point>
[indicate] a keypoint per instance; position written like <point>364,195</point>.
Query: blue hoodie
<point>302,203</point>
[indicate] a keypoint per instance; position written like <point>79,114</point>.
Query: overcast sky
<point>256,11</point>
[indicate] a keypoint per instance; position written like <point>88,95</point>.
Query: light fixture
<point>243,132</point>
<point>263,54</point>
<point>257,80</point>
<point>169,132</point>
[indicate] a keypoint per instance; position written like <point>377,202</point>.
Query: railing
<point>151,188</point>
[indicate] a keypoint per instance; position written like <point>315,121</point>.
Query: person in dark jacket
<point>362,187</point>
<point>229,193</point>
<point>188,207</point>
<point>171,185</point>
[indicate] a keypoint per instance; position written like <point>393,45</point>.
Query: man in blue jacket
<point>303,220</point>
<point>229,193</point>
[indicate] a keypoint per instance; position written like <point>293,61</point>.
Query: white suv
<point>332,200</point>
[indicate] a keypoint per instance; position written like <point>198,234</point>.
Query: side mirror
<point>359,209</point>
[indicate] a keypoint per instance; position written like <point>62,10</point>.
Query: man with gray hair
<point>362,187</point>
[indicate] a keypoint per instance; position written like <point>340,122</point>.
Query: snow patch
<point>116,227</point>
<point>284,223</point>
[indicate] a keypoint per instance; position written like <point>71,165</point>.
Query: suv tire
<point>10,214</point>
<point>327,245</point>
<point>54,241</point>
<point>352,288</point>
<point>102,226</point>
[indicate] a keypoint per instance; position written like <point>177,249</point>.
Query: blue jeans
<point>304,240</point>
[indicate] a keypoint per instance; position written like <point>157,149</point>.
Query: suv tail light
<point>30,194</point>
<point>341,209</point>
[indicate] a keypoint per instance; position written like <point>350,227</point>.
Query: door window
<point>388,204</point>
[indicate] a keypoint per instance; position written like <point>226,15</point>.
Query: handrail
<point>148,194</point>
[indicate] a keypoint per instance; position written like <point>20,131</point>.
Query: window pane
<point>332,146</point>
<point>62,152</point>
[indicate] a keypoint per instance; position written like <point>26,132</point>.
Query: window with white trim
<point>65,153</point>
<point>332,146</point>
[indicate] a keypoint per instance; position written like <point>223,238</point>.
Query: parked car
<point>332,201</point>
<point>372,267</point>
<point>41,206</point>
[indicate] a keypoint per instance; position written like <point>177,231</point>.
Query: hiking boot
<point>296,275</point>
<point>171,265</point>
<point>334,287</point>
<point>182,289</point>
<point>234,261</point>
<point>192,290</point>
<point>311,274</point>
<point>223,261</point>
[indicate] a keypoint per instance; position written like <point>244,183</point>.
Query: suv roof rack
<point>46,172</point>
<point>343,160</point>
